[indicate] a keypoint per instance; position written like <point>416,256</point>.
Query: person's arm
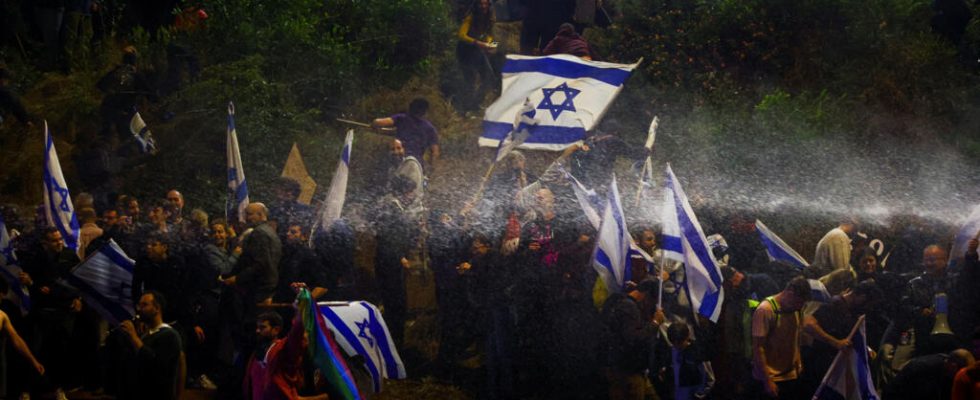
<point>384,126</point>
<point>812,327</point>
<point>464,29</point>
<point>18,342</point>
<point>760,330</point>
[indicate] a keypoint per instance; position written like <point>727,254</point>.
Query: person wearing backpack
<point>776,327</point>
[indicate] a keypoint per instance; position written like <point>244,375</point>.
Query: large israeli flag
<point>684,241</point>
<point>611,256</point>
<point>360,330</point>
<point>569,95</point>
<point>849,377</point>
<point>10,269</point>
<point>58,209</point>
<point>334,203</point>
<point>105,280</point>
<point>237,187</point>
<point>777,249</point>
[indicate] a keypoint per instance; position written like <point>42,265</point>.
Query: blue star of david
<point>63,192</point>
<point>557,109</point>
<point>362,331</point>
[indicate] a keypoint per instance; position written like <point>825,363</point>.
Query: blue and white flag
<point>684,241</point>
<point>334,202</point>
<point>777,249</point>
<point>142,134</point>
<point>969,230</point>
<point>611,256</point>
<point>587,199</point>
<point>519,134</point>
<point>569,95</point>
<point>105,280</point>
<point>58,209</point>
<point>237,187</point>
<point>849,377</point>
<point>10,269</point>
<point>360,330</point>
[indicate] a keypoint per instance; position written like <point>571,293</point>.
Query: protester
<point>473,52</point>
<point>633,322</point>
<point>158,350</point>
<point>7,331</point>
<point>416,133</point>
<point>928,376</point>
<point>834,250</point>
<point>776,327</point>
<point>567,41</point>
<point>693,376</point>
<point>89,230</point>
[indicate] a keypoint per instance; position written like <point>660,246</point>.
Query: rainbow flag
<point>324,352</point>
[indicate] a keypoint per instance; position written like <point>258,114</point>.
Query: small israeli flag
<point>237,187</point>
<point>10,269</point>
<point>333,205</point>
<point>611,256</point>
<point>142,134</point>
<point>777,249</point>
<point>105,280</point>
<point>360,330</point>
<point>849,377</point>
<point>569,96</point>
<point>58,208</point>
<point>684,241</point>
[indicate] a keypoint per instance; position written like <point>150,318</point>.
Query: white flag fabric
<point>777,249</point>
<point>10,269</point>
<point>684,241</point>
<point>105,280</point>
<point>58,209</point>
<point>237,187</point>
<point>611,256</point>
<point>968,231</point>
<point>849,377</point>
<point>360,330</point>
<point>334,204</point>
<point>520,132</point>
<point>569,96</point>
<point>142,134</point>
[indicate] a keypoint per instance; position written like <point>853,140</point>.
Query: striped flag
<point>569,95</point>
<point>684,241</point>
<point>237,187</point>
<point>105,280</point>
<point>10,269</point>
<point>142,134</point>
<point>777,249</point>
<point>360,330</point>
<point>58,209</point>
<point>323,350</point>
<point>519,133</point>
<point>334,202</point>
<point>611,256</point>
<point>849,377</point>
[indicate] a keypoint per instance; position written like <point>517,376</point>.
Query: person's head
<point>957,360</point>
<point>418,107</point>
<point>87,216</point>
<point>481,6</point>
<point>732,277</point>
<point>544,199</point>
<point>175,199</point>
<point>848,225</point>
<point>150,306</point>
<point>110,217</point>
<point>268,325</point>
<point>157,247</point>
<point>645,294</point>
<point>516,160</point>
<point>396,150</point>
<point>219,232</point>
<point>795,295</point>
<point>256,213</point>
<point>158,213</point>
<point>868,264</point>
<point>646,238</point>
<point>679,335</point>
<point>296,233</point>
<point>934,260</point>
<point>199,218</point>
<point>52,241</point>
<point>865,295</point>
<point>287,189</point>
<point>131,205</point>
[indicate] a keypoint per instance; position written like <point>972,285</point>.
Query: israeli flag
<point>334,203</point>
<point>105,280</point>
<point>569,96</point>
<point>237,187</point>
<point>10,269</point>
<point>519,134</point>
<point>684,241</point>
<point>777,249</point>
<point>849,377</point>
<point>58,208</point>
<point>142,134</point>
<point>611,256</point>
<point>360,330</point>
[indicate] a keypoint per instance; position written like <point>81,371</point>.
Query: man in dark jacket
<point>632,324</point>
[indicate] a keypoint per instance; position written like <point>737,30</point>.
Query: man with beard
<point>415,132</point>
<point>267,329</point>
<point>158,350</point>
<point>410,168</point>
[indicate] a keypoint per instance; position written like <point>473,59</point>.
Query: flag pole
<point>648,164</point>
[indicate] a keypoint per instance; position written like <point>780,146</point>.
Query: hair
<point>800,288</point>
<point>48,230</point>
<point>289,185</point>
<point>199,217</point>
<point>160,237</point>
<point>418,107</point>
<point>218,221</point>
<point>156,203</point>
<point>677,332</point>
<point>158,299</point>
<point>271,317</point>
